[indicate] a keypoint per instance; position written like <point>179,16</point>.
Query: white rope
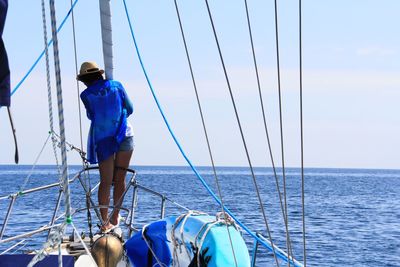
<point>106,34</point>
<point>209,226</point>
<point>175,241</point>
<point>181,219</point>
<point>49,96</point>
<point>221,218</point>
<point>185,218</point>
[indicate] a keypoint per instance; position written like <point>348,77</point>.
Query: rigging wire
<point>268,245</point>
<point>241,132</point>
<point>77,82</point>
<point>43,52</point>
<point>22,187</point>
<point>281,121</point>
<point>302,134</point>
<point>84,161</point>
<point>49,94</point>
<point>265,121</point>
<point>204,127</point>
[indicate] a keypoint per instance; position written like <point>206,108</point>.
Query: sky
<point>351,80</point>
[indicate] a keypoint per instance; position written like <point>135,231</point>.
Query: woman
<point>110,141</point>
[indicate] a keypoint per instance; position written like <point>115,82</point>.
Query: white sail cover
<point>106,34</point>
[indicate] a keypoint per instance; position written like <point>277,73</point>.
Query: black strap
<point>16,158</point>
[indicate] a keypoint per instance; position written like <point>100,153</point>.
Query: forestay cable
<point>271,246</point>
<point>241,132</point>
<point>204,128</point>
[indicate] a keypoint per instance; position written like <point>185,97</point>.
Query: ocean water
<point>352,215</point>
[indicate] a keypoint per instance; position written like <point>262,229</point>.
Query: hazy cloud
<point>375,51</point>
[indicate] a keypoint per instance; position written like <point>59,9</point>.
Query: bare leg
<point>122,160</point>
<point>106,168</point>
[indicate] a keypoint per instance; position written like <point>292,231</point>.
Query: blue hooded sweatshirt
<point>107,106</point>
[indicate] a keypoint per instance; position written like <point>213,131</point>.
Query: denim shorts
<point>127,144</point>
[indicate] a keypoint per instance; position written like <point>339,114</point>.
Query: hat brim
<point>79,76</point>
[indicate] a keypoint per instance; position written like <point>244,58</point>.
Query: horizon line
<point>219,166</point>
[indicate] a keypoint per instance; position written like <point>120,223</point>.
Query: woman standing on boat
<point>110,140</point>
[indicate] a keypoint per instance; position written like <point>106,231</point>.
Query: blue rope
<point>43,52</point>
<point>265,244</point>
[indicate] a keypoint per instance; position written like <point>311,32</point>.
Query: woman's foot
<point>107,228</point>
<point>115,219</point>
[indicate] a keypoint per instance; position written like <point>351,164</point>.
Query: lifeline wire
<point>241,133</point>
<point>281,121</point>
<point>204,127</point>
<point>265,122</point>
<point>49,96</point>
<point>244,227</point>
<point>301,134</point>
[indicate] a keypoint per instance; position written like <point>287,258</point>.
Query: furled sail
<point>106,34</point>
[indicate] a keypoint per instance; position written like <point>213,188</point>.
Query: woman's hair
<point>91,77</point>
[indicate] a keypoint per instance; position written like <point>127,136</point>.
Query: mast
<point>106,35</point>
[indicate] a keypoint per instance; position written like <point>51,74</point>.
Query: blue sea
<point>352,215</point>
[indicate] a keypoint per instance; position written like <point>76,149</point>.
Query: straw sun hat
<point>89,68</point>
